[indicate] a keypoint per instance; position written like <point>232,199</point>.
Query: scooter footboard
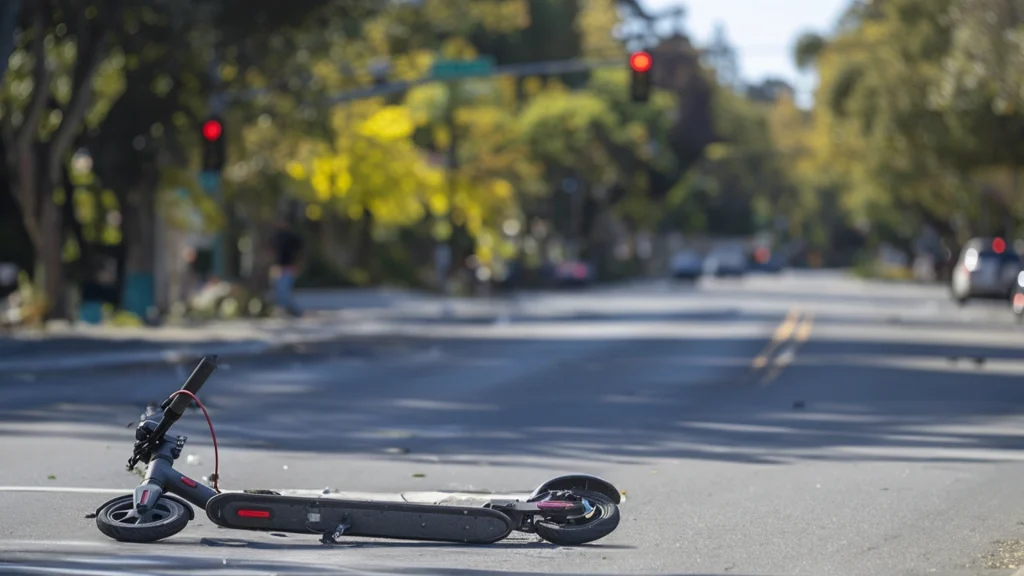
<point>394,520</point>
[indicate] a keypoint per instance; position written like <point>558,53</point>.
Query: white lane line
<point>72,543</point>
<point>65,489</point>
<point>417,497</point>
<point>66,570</point>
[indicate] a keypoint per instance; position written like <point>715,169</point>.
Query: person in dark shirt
<point>287,248</point>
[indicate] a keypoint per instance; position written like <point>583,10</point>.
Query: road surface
<point>795,424</point>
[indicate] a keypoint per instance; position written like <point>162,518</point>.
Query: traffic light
<point>640,87</point>
<point>214,149</point>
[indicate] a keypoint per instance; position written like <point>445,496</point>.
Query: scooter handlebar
<point>194,383</point>
<point>174,407</point>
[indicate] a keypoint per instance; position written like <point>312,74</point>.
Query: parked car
<point>987,268</point>
<point>722,262</point>
<point>768,262</point>
<point>573,273</point>
<point>686,265</point>
<point>1017,297</point>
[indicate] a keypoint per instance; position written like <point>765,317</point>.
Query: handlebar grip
<point>195,382</point>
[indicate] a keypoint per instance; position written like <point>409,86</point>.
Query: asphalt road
<point>798,424</point>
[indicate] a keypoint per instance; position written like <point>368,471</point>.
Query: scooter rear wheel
<point>118,520</point>
<point>603,520</point>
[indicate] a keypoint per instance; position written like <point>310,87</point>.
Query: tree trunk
<point>51,250</point>
<point>366,248</point>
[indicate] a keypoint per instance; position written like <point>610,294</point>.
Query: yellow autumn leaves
<point>374,165</point>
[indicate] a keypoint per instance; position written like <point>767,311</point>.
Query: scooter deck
<point>393,520</point>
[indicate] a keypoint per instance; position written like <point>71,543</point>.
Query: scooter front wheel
<point>601,521</point>
<point>118,520</point>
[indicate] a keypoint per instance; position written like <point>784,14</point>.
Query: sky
<point>762,31</point>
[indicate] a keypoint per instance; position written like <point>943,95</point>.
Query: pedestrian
<point>287,247</point>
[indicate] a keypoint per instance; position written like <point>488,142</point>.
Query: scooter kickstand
<point>330,538</point>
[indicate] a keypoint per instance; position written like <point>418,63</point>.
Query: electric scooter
<point>567,511</point>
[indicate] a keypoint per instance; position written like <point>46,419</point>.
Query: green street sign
<point>454,69</point>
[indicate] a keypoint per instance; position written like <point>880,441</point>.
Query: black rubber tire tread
<point>121,532</point>
<point>574,535</point>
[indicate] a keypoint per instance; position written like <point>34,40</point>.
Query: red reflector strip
<point>188,482</point>
<point>253,514</point>
<point>145,496</point>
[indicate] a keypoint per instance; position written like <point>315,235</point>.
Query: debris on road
<point>1009,554</point>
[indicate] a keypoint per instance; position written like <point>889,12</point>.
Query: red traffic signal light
<point>999,245</point>
<point>640,61</point>
<point>214,146</point>
<point>640,83</point>
<point>212,130</point>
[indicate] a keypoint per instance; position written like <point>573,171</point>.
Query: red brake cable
<point>216,455</point>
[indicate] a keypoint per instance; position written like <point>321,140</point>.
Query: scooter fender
<point>580,482</point>
<point>188,507</point>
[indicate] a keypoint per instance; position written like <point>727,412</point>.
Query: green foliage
<point>916,111</point>
<point>379,165</point>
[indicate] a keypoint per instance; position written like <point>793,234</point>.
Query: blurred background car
<point>572,273</point>
<point>726,262</point>
<point>987,268</point>
<point>686,265</point>
<point>1017,297</point>
<point>768,262</point>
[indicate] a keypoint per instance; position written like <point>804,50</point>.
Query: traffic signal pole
<point>214,158</point>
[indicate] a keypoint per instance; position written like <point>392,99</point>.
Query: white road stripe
<point>70,543</point>
<point>65,489</point>
<point>419,497</point>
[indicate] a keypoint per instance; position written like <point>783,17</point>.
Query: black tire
<point>604,521</point>
<point>170,518</point>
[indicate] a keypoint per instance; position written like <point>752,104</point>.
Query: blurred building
<point>770,90</point>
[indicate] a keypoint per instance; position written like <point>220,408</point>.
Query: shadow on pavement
<point>313,544</point>
<point>129,565</point>
<point>158,565</point>
<point>622,399</point>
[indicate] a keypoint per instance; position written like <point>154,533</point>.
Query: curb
<point>57,363</point>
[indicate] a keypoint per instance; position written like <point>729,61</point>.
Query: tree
<point>899,165</point>
<point>38,139</point>
<point>980,90</point>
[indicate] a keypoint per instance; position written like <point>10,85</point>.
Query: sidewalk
<point>333,315</point>
<point>80,346</point>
